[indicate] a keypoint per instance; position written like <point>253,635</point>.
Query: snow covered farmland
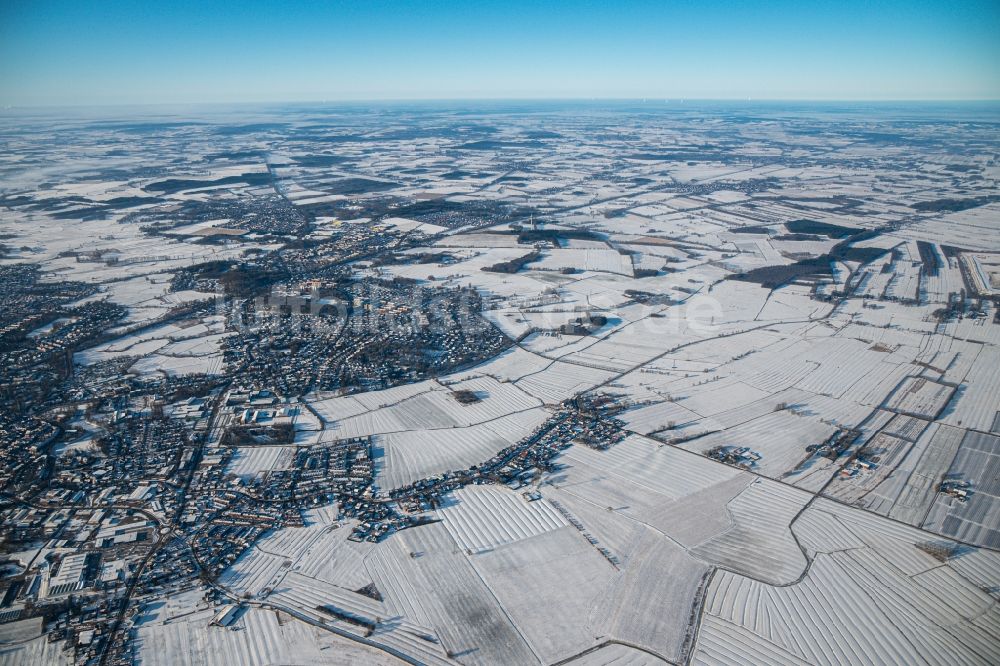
<point>554,385</point>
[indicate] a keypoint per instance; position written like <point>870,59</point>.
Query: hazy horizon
<point>387,101</point>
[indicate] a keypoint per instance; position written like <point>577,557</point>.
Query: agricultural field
<point>863,568</point>
<point>509,384</point>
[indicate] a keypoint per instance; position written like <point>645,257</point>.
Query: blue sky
<point>59,53</point>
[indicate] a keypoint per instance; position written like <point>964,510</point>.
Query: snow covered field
<point>789,325</point>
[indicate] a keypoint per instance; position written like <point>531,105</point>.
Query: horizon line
<point>453,100</point>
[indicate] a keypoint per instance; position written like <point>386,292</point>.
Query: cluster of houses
<point>516,466</point>
<point>78,553</point>
<point>960,490</point>
<point>737,456</point>
<point>381,333</point>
